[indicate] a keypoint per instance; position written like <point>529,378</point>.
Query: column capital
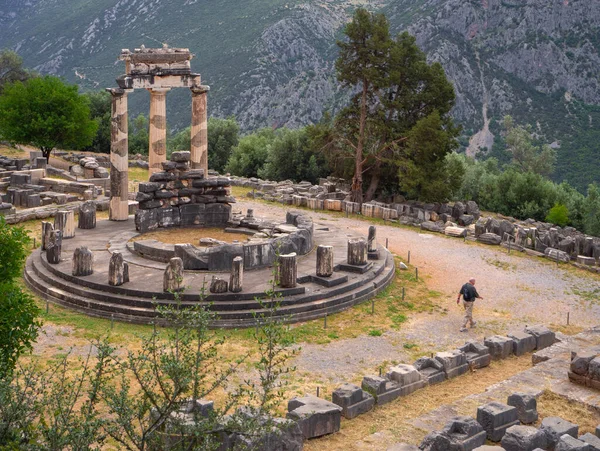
<point>202,89</point>
<point>158,91</point>
<point>118,92</point>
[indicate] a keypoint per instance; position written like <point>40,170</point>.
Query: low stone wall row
<point>319,417</point>
<point>267,240</point>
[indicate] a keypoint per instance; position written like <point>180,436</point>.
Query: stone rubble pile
<point>180,196</point>
<point>99,161</point>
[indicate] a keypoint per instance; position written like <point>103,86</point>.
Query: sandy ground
<point>517,290</point>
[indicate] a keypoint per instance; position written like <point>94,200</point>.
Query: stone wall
<point>182,197</point>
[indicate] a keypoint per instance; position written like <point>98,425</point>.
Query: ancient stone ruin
<point>158,71</point>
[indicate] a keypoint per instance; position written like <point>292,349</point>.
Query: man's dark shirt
<point>469,292</point>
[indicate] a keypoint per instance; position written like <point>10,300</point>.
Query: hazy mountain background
<point>270,62</point>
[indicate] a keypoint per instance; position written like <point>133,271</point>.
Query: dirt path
<point>517,290</point>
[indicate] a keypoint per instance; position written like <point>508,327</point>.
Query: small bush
<point>375,333</point>
<point>559,215</point>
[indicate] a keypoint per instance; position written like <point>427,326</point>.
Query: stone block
<point>146,220</point>
<point>18,179</point>
<point>34,200</point>
<point>431,369</point>
<point>477,354</point>
<point>168,217</point>
<point>315,416</point>
<point>523,438</point>
<point>580,362</point>
<point>353,400</point>
<point>454,363</point>
<point>522,342</point>
<point>568,443</point>
<point>489,238</point>
<point>404,447</point>
<point>544,337</point>
<point>192,257</point>
<point>526,407</point>
<point>407,377</point>
<point>258,255</point>
<point>192,214</point>
<point>490,448</point>
<point>457,232</point>
<point>148,187</point>
<point>555,428</point>
<point>217,215</point>
<point>496,418</point>
<point>500,347</point>
<point>591,440</point>
<point>460,433</point>
<point>555,254</point>
<point>181,156</point>
<point>382,389</point>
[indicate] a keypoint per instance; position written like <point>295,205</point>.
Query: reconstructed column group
<point>119,164</point>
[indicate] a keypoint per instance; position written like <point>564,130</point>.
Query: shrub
<point>559,215</point>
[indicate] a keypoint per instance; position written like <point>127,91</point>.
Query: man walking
<point>469,294</point>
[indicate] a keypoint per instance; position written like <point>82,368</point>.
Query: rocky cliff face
<point>271,63</point>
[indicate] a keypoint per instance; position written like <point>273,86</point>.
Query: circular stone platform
<point>135,301</point>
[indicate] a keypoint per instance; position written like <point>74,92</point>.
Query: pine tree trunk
<point>375,178</point>
<point>357,194</point>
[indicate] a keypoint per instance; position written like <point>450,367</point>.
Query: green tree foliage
<point>559,215</point>
<point>133,395</point>
<point>395,88</point>
<point>526,156</point>
<point>251,153</point>
<point>18,312</point>
<point>139,139</point>
<point>11,69</point>
<point>591,211</point>
<point>46,113</point>
<point>424,168</point>
<point>223,136</point>
<point>100,112</point>
<point>291,157</point>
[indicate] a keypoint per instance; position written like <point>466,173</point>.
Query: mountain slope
<point>270,62</point>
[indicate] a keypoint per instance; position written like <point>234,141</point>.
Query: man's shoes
<point>473,324</point>
<point>463,329</point>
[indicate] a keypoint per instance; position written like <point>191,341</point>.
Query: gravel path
<point>517,290</point>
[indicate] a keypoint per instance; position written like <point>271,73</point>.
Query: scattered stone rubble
<point>461,219</point>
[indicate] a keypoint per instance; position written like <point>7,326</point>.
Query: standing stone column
<point>83,262</point>
<point>324,261</point>
<point>119,148</point>
<point>199,129</point>
<point>47,227</point>
<point>372,239</point>
<point>87,215</point>
<point>357,252</point>
<point>237,275</point>
<point>53,247</point>
<point>288,270</point>
<point>65,222</point>
<point>158,129</point>
<point>118,270</point>
<point>173,277</point>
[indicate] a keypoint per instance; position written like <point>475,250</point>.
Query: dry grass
<point>191,235</point>
<point>553,405</point>
<point>15,152</point>
<point>396,417</point>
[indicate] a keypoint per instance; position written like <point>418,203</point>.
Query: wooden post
<point>83,262</point>
<point>408,261</point>
<point>53,246</point>
<point>237,275</point>
<point>87,215</point>
<point>324,261</point>
<point>357,251</point>
<point>288,270</point>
